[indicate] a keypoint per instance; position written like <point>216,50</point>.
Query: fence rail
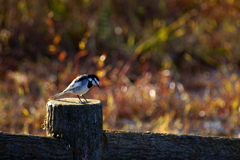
<point>75,132</point>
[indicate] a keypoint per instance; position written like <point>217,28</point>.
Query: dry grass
<point>152,102</point>
<point>165,66</point>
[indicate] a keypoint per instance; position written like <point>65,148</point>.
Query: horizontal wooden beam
<point>139,145</point>
<point>119,145</point>
<point>14,146</point>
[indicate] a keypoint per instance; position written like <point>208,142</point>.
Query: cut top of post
<point>73,101</point>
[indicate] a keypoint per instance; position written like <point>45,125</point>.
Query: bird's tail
<point>59,94</point>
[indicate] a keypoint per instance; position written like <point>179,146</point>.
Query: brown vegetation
<point>165,66</point>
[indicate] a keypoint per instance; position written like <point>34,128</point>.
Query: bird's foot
<point>83,102</point>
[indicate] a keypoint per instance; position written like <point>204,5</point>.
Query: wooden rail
<point>75,132</point>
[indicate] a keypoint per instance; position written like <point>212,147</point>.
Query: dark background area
<point>169,66</point>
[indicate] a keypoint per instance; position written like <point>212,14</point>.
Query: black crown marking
<point>93,76</point>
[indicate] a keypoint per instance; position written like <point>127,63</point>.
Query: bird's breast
<point>81,89</point>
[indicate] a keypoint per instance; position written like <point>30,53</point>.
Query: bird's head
<point>94,79</point>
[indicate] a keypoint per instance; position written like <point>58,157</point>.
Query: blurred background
<point>168,66</point>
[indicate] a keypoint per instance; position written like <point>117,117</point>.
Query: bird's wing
<point>75,82</point>
<point>72,85</point>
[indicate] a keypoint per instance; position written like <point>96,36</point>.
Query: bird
<point>80,85</point>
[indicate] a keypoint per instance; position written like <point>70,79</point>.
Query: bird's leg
<point>85,99</point>
<point>79,98</point>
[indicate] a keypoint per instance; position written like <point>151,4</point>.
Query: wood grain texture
<point>14,146</point>
<point>79,125</point>
<point>120,145</point>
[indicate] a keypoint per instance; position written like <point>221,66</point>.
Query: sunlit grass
<point>152,102</point>
<point>169,66</point>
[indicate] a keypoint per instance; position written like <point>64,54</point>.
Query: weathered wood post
<point>79,126</point>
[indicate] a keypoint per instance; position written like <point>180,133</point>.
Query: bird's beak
<point>96,83</point>
<point>98,86</point>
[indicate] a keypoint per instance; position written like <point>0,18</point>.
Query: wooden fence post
<point>79,126</point>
